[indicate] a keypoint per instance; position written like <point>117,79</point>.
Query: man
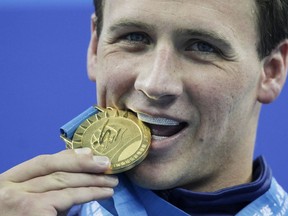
<point>205,66</point>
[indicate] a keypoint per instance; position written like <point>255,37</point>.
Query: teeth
<point>156,121</point>
<point>154,137</point>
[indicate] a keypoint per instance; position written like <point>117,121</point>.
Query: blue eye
<point>201,47</point>
<point>137,37</point>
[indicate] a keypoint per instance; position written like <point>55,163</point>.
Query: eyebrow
<point>209,35</point>
<point>123,23</point>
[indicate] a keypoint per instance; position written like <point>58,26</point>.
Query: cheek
<point>223,97</point>
<point>212,96</point>
<point>115,78</point>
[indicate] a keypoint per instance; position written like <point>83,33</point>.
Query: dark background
<point>43,83</point>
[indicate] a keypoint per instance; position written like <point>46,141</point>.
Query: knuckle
<point>8,195</point>
<point>43,160</point>
<point>48,163</point>
<point>60,178</point>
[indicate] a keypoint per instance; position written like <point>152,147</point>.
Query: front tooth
<point>158,138</point>
<point>157,121</point>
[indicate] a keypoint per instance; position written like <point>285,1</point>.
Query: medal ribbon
<point>129,199</point>
<point>132,200</point>
<point>69,128</point>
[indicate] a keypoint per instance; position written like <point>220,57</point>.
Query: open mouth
<point>161,127</point>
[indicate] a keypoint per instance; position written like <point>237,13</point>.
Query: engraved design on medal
<point>117,134</point>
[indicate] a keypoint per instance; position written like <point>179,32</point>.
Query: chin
<point>150,178</point>
<point>146,182</point>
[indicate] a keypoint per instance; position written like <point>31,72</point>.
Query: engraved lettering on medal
<point>108,136</point>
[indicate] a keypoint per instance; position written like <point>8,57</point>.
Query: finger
<point>62,180</point>
<point>14,202</point>
<point>66,198</point>
<point>65,161</point>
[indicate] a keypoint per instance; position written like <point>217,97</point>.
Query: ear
<point>274,73</point>
<point>92,50</point>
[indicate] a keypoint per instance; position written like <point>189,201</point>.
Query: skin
<point>179,65</point>
<point>50,184</point>
<point>164,72</point>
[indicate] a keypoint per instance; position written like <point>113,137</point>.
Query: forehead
<point>182,9</point>
<point>232,17</point>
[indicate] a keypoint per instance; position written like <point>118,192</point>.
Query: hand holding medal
<point>117,134</point>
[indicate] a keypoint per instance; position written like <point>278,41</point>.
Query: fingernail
<point>112,179</point>
<point>102,160</point>
<point>109,190</point>
<point>82,151</point>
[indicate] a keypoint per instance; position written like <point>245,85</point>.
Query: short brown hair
<point>272,23</point>
<point>99,5</point>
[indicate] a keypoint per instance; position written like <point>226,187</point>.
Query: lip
<point>161,144</point>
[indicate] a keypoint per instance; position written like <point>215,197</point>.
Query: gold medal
<point>117,134</point>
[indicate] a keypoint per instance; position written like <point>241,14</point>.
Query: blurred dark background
<point>43,83</point>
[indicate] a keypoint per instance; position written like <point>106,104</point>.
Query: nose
<point>161,81</point>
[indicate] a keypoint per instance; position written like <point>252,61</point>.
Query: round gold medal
<point>117,134</point>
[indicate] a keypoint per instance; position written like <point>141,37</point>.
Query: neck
<point>235,171</point>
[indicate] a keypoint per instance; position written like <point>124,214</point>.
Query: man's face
<point>192,65</point>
